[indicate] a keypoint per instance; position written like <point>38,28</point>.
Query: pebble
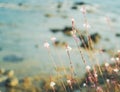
<point>12,82</point>
<point>9,73</point>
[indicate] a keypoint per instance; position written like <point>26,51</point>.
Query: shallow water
<point>24,27</point>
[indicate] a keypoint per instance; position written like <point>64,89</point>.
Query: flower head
<point>107,80</point>
<point>112,59</point>
<point>115,70</point>
<point>99,89</point>
<point>69,81</point>
<point>84,84</point>
<point>68,48</point>
<point>95,75</point>
<point>73,23</point>
<point>53,39</point>
<point>88,67</point>
<point>83,10</point>
<point>86,25</point>
<point>52,84</point>
<point>117,59</point>
<point>46,45</point>
<point>106,64</point>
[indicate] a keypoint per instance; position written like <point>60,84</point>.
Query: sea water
<point>24,28</point>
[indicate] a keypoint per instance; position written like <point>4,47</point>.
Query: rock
<point>89,44</point>
<point>12,82</point>
<point>20,4</point>
<point>80,3</point>
<point>2,71</point>
<point>9,73</point>
<point>117,34</point>
<point>3,78</point>
<point>48,15</point>
<point>27,81</point>
<point>67,31</point>
<point>36,46</point>
<point>55,30</point>
<point>59,5</point>
<point>59,44</point>
<point>12,58</point>
<point>95,37</point>
<point>74,7</point>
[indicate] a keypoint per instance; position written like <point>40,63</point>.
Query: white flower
<point>115,70</point>
<point>52,84</point>
<point>107,80</point>
<point>69,81</point>
<point>112,59</point>
<point>68,48</point>
<point>83,10</point>
<point>95,75</point>
<point>86,25</point>
<point>106,64</point>
<point>117,59</point>
<point>46,45</point>
<point>88,67</point>
<point>73,20</point>
<point>84,84</point>
<point>53,39</point>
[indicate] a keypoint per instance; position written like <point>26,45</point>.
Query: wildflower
<point>99,89</point>
<point>86,25</point>
<point>84,84</point>
<point>106,64</point>
<point>83,10</point>
<point>53,39</point>
<point>68,48</point>
<point>88,67</point>
<point>72,20</point>
<point>52,84</point>
<point>95,75</point>
<point>117,59</point>
<point>69,81</point>
<point>73,23</point>
<point>46,45</point>
<point>107,80</point>
<point>112,59</point>
<point>115,70</point>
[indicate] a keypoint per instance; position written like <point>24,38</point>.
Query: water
<point>23,27</point>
